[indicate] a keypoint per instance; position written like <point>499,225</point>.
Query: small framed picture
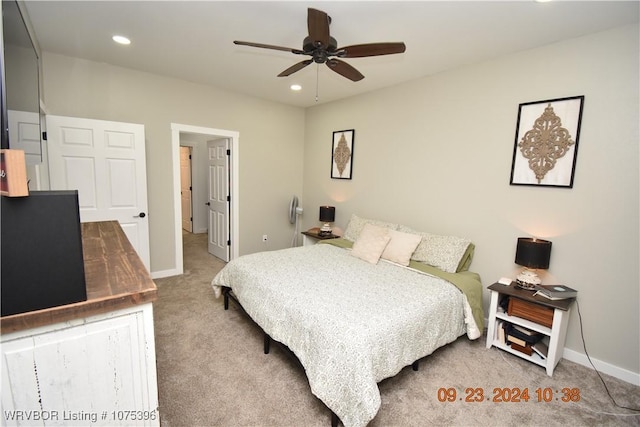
<point>342,154</point>
<point>546,144</point>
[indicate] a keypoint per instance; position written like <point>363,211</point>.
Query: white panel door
<point>185,188</point>
<point>218,198</point>
<point>105,162</point>
<point>24,128</point>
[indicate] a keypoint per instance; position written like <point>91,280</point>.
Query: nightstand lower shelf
<point>534,358</point>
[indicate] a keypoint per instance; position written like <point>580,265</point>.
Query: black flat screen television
<point>42,260</point>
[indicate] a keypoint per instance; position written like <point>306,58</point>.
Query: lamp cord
<point>584,345</point>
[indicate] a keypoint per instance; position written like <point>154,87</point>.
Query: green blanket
<point>468,282</point>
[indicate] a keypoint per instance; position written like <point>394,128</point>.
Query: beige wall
<point>271,142</point>
<point>435,154</point>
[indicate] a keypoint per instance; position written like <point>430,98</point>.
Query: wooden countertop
<point>115,276</point>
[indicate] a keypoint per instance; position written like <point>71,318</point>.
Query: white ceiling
<point>193,40</point>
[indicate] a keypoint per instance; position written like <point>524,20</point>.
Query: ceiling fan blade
<point>318,24</point>
<point>297,67</point>
<point>371,49</point>
<point>344,69</point>
<point>268,46</point>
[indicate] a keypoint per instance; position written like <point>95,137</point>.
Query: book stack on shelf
<point>522,339</point>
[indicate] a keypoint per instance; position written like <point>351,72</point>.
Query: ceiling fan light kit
<point>323,49</point>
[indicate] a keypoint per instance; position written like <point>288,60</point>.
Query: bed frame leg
<point>267,343</point>
<point>415,365</point>
<point>225,294</point>
<point>334,419</point>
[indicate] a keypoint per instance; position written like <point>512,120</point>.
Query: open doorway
<point>197,139</point>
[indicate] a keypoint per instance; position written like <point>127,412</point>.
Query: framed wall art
<point>342,154</point>
<point>546,143</point>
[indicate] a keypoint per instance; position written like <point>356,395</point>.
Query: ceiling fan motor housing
<point>319,53</point>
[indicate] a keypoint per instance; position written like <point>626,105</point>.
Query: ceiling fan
<point>322,48</point>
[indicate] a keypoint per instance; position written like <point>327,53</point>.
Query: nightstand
<point>311,237</point>
<point>537,314</point>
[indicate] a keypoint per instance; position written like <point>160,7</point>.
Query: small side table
<point>311,237</point>
<point>555,335</point>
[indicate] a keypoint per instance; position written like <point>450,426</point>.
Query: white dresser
<point>92,362</point>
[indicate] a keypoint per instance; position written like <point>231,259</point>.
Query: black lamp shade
<point>327,213</point>
<point>533,253</point>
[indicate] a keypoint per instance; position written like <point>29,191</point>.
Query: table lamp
<point>327,215</point>
<point>531,253</point>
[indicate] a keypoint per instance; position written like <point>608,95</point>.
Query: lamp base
<point>528,280</point>
<point>526,286</point>
<point>325,230</point>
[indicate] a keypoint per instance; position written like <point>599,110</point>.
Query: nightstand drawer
<point>534,312</point>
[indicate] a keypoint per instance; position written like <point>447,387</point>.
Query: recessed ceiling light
<point>296,87</point>
<point>121,39</point>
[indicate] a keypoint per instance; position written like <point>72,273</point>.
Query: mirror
<point>21,82</point>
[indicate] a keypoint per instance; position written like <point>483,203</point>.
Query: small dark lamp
<point>532,254</point>
<point>327,215</point>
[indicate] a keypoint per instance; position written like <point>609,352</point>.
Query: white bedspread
<point>351,323</point>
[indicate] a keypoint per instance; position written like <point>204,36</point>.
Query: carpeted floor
<point>212,372</point>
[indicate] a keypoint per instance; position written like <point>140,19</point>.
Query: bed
<point>353,320</point>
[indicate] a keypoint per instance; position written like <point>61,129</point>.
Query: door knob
<point>140,215</point>
<point>208,204</point>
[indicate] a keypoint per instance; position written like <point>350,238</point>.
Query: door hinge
<point>228,198</point>
<point>229,242</point>
<point>44,136</point>
<point>228,152</point>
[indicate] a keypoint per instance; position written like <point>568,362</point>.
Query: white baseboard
<point>604,367</point>
<point>165,273</point>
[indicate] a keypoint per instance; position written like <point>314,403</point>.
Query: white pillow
<point>356,223</point>
<point>401,247</point>
<point>443,252</point>
<point>371,243</point>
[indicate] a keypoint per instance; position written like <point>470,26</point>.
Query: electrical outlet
<point>264,237</point>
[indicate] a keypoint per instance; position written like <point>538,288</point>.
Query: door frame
<point>234,217</point>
